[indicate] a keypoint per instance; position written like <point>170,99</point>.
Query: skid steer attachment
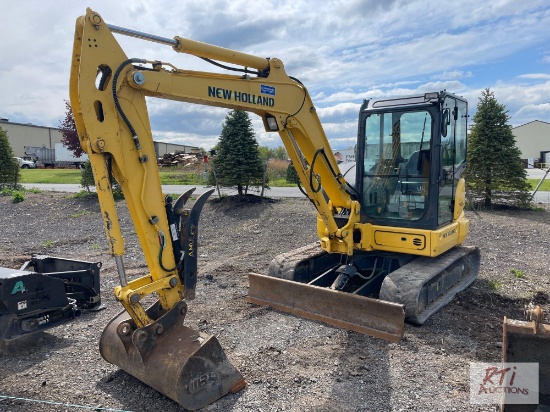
<point>45,292</point>
<point>528,341</point>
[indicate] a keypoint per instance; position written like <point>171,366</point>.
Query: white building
<point>21,135</point>
<point>533,140</point>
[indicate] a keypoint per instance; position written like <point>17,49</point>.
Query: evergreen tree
<point>291,174</point>
<point>495,173</point>
<point>237,161</point>
<point>68,130</point>
<point>9,167</point>
<point>87,176</point>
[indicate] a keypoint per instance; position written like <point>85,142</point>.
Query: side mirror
<point>445,121</point>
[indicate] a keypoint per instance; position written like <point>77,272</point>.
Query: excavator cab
<point>411,153</point>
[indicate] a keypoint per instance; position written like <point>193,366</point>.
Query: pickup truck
<point>25,164</point>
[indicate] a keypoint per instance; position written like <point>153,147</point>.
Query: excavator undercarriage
<point>372,293</point>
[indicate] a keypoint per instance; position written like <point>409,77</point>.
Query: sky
<point>343,51</point>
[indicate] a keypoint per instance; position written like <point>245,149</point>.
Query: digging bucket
<point>528,341</point>
<point>381,319</point>
<point>188,366</point>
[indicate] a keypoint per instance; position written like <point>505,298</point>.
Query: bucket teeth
<point>200,371</point>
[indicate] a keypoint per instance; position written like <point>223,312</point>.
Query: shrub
<point>17,196</point>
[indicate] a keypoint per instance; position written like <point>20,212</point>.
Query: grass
<point>544,187</point>
<point>181,178</point>
<point>17,196</point>
<point>281,183</point>
<point>520,274</point>
<point>47,243</point>
<point>54,176</point>
<point>73,176</point>
<point>494,285</point>
<point>79,214</point>
<point>170,177</point>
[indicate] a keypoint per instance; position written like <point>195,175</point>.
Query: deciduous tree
<point>68,130</point>
<point>267,153</point>
<point>495,173</point>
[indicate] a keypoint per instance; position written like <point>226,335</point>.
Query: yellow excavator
<point>390,227</point>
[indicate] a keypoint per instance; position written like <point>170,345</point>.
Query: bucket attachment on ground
<point>45,292</point>
<point>188,366</point>
<point>361,314</point>
<point>529,341</point>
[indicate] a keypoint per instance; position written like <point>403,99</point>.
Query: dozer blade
<point>361,314</point>
<point>528,342</point>
<point>188,366</point>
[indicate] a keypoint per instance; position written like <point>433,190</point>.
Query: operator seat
<point>417,169</point>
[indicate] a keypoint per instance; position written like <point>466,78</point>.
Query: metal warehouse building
<point>533,139</point>
<point>21,135</point>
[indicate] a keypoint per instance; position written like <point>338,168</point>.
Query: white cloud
<point>344,52</point>
<point>532,112</point>
<point>454,74</point>
<point>524,102</point>
<point>535,76</point>
<point>342,109</point>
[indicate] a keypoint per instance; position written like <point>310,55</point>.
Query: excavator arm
<point>108,93</point>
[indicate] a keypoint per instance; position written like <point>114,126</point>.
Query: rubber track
<point>283,265</point>
<point>405,284</point>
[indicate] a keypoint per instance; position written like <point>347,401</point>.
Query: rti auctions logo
<point>491,385</point>
<point>508,383</point>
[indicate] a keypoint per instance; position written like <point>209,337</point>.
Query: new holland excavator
<point>390,228</point>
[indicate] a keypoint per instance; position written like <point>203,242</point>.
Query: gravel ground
<point>288,362</point>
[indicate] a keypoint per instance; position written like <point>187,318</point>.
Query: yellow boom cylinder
<point>210,51</point>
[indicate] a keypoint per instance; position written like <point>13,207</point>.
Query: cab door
<point>452,155</point>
